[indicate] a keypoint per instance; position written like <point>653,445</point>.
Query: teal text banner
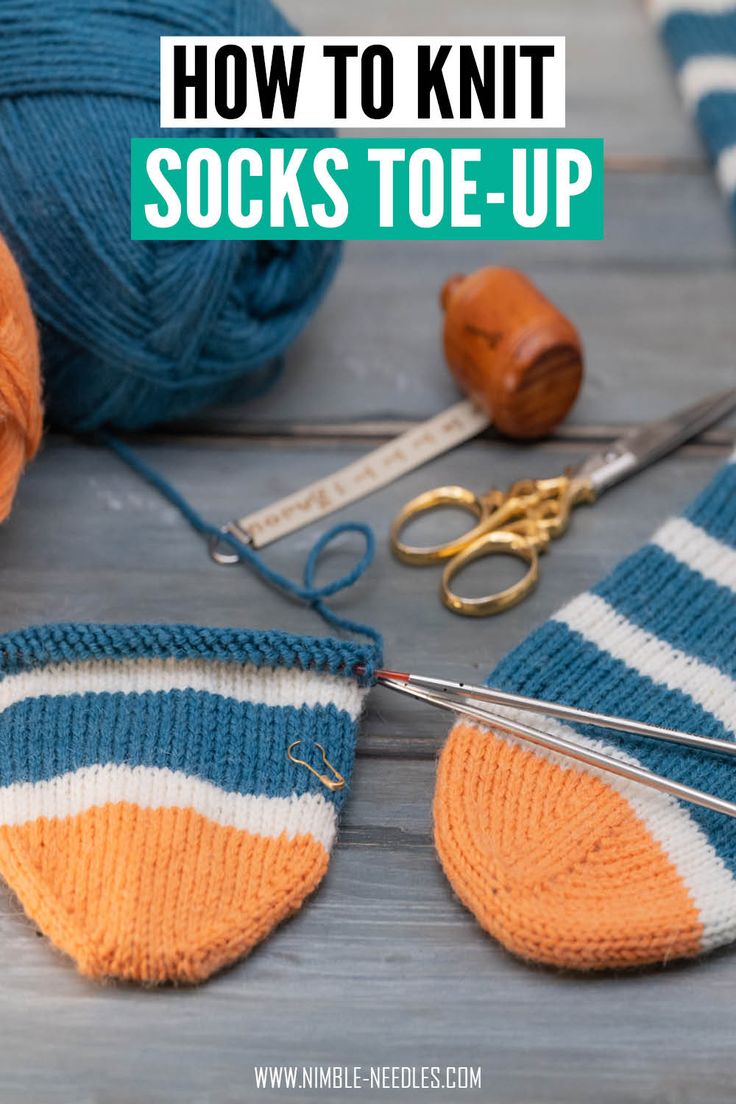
<point>366,188</point>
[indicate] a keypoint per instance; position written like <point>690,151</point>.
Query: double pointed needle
<point>454,696</point>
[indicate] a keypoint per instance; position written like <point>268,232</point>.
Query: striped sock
<point>700,37</point>
<point>150,821</point>
<point>570,866</point>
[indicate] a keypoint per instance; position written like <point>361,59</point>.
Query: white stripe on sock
<point>705,74</point>
<point>242,682</point>
<point>726,170</point>
<point>77,791</point>
<point>611,632</point>
<point>706,877</point>
<point>712,887</point>
<point>694,548</point>
<point>660,9</point>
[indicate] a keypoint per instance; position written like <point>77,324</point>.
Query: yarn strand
<point>307,592</point>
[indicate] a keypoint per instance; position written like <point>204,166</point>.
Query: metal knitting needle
<point>570,749</point>
<point>562,712</point>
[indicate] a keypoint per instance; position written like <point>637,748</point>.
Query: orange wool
<point>20,380</point>
<point>553,862</point>
<point>155,895</point>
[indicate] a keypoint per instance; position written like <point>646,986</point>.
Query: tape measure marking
<point>357,480</point>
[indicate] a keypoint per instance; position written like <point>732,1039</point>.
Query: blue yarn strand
<point>308,591</point>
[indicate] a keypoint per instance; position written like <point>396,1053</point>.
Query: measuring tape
<point>382,466</point>
<point>509,348</point>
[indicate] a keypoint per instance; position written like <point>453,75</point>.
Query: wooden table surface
<point>384,966</point>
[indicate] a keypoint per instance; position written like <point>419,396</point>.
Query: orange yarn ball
<point>21,414</point>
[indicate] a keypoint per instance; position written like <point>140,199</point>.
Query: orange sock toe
<point>156,895</point>
<point>553,861</point>
<point>153,822</point>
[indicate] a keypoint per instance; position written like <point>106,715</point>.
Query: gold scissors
<point>523,520</point>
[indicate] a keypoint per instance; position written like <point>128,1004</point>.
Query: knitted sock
<point>570,866</point>
<point>151,822</point>
<point>700,37</point>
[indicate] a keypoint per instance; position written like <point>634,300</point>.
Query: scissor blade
<point>641,447</point>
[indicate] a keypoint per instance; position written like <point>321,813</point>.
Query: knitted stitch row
<point>44,645</point>
<point>151,821</point>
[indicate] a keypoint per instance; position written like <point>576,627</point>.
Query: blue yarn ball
<point>133,332</point>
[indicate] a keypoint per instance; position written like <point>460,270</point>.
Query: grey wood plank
<point>383,966</point>
<point>620,85</point>
<point>653,303</point>
<point>119,552</point>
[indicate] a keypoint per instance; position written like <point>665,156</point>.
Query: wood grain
<point>120,552</point>
<point>653,302</point>
<point>618,86</point>
<point>512,350</point>
<point>384,965</point>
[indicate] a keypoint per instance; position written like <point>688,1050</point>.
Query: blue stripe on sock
<point>558,664</point>
<point>714,510</point>
<point>238,746</point>
<point>716,117</point>
<point>45,645</point>
<point>695,34</point>
<point>666,598</point>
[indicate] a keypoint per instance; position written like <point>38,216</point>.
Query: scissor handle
<point>497,542</point>
<point>480,506</point>
<point>545,516</point>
